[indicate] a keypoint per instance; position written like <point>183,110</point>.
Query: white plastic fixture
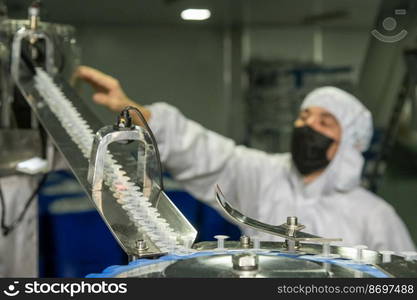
<point>195,14</point>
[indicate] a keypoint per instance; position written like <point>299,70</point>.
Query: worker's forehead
<point>317,110</point>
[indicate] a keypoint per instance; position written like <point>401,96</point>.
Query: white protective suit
<point>19,249</point>
<point>267,187</point>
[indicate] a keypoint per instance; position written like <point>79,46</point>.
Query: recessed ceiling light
<point>195,14</point>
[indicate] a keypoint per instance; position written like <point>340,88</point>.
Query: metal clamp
<point>118,224</point>
<point>109,207</point>
<point>32,34</point>
<point>103,138</point>
<point>290,230</point>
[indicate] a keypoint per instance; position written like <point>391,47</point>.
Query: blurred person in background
<point>318,181</point>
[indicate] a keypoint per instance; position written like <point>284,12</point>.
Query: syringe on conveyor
<point>134,199</point>
<point>137,214</point>
<point>143,219</point>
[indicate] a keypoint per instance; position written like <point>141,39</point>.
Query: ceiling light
<point>195,14</point>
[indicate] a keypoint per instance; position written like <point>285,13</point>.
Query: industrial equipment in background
<point>21,137</point>
<point>402,121</point>
<point>119,168</point>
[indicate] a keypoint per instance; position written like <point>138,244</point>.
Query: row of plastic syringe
<point>139,209</point>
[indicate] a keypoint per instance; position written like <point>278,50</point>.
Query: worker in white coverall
<point>19,246</point>
<point>319,181</point>
<point>19,216</point>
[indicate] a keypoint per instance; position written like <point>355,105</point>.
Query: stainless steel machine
<point>21,137</point>
<point>119,167</point>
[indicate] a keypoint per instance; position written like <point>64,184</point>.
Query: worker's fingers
<point>97,78</point>
<point>102,99</point>
<point>87,72</point>
<point>112,103</point>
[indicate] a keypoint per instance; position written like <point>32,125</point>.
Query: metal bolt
<point>245,262</point>
<point>33,13</point>
<point>245,241</point>
<point>141,245</point>
<point>292,228</point>
<point>293,221</point>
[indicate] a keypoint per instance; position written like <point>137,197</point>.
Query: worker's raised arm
<point>108,92</point>
<point>195,156</point>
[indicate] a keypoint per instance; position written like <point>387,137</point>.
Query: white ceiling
<point>341,13</point>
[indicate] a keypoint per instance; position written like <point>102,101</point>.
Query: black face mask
<point>309,149</point>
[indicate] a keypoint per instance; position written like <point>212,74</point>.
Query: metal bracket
<point>33,34</point>
<point>151,190</point>
<point>290,230</point>
<point>30,35</point>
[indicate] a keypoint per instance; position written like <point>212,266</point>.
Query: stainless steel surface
<point>71,126</point>
<point>222,266</point>
<point>248,261</point>
<point>18,143</point>
<point>226,263</point>
<point>124,231</point>
<point>282,231</point>
<point>32,35</point>
<point>397,267</point>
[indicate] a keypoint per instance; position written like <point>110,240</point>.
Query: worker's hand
<point>108,91</point>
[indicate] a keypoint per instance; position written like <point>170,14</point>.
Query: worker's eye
<point>326,122</point>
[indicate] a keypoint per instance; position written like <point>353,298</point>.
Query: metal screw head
<point>292,221</point>
<point>141,245</point>
<point>245,261</point>
<point>292,226</point>
<point>245,241</point>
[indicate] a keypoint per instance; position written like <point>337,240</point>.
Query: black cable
<point>6,229</point>
<point>142,118</point>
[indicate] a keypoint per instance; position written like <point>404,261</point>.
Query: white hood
<point>344,171</point>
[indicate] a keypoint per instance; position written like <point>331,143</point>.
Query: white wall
<point>281,43</point>
<point>340,46</point>
<point>183,65</point>
<point>179,65</point>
